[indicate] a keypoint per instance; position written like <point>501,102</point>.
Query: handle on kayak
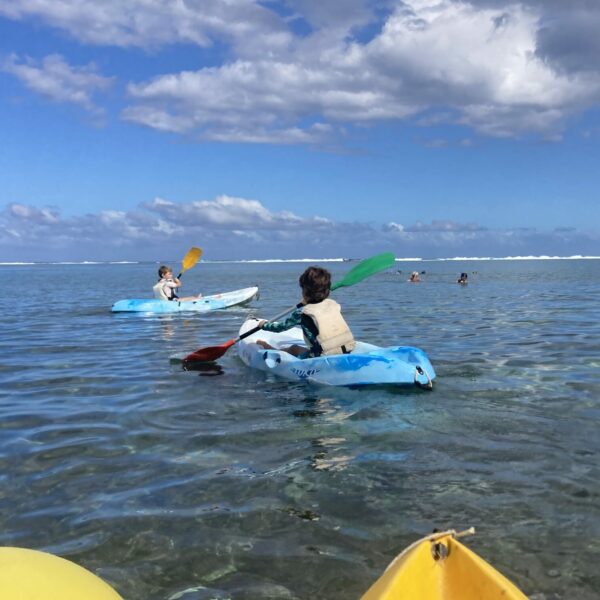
<point>281,314</point>
<point>421,371</point>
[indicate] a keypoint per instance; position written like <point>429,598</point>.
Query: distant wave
<point>542,257</point>
<point>287,260</point>
<point>73,262</point>
<point>311,260</point>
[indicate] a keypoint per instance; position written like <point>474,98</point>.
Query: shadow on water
<point>204,369</point>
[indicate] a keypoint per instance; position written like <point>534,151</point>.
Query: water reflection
<point>327,456</point>
<point>328,411</point>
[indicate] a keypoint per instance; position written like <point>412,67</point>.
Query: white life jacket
<point>334,335</point>
<point>163,292</point>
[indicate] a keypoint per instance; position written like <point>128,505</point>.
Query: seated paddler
<point>324,329</point>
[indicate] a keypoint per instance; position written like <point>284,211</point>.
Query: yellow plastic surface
<point>32,575</point>
<point>462,575</point>
<point>190,259</point>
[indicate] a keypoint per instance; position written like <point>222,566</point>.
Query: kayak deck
<point>203,304</point>
<point>366,365</point>
<point>439,567</point>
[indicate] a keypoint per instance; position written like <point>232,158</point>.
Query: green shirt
<point>292,321</point>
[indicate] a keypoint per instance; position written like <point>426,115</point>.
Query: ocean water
<point>228,483</point>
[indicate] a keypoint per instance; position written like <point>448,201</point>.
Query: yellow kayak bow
<point>32,575</point>
<point>439,567</point>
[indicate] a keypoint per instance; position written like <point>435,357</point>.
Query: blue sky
<point>432,128</point>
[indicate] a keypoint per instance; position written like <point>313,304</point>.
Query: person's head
<point>463,276</point>
<point>164,272</point>
<point>316,284</point>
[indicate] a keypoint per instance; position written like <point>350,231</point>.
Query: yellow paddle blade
<point>190,259</point>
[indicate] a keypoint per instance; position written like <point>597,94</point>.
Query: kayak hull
<point>439,567</point>
<point>366,365</point>
<point>203,304</point>
<point>28,574</point>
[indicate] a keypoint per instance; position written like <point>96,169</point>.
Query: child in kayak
<point>167,284</point>
<point>325,330</point>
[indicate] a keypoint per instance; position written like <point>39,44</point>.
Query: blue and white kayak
<point>203,304</point>
<point>366,365</point>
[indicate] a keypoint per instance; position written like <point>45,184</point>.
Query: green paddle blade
<point>366,268</point>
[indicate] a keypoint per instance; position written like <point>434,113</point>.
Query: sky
<point>134,129</point>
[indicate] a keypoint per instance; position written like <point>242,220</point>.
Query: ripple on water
<point>229,483</point>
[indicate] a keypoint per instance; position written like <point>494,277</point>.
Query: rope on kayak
<point>432,537</point>
<point>420,371</point>
<point>439,551</point>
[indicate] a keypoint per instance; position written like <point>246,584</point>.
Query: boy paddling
<point>167,284</point>
<point>323,326</point>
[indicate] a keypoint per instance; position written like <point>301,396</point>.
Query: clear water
<point>228,483</point>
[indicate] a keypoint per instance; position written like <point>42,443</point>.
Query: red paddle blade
<point>210,353</point>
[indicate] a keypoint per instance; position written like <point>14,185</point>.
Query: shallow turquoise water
<point>228,483</point>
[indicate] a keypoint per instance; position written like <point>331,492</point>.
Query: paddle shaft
<point>285,312</point>
<point>364,269</point>
<point>281,314</point>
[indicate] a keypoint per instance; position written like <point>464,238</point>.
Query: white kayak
<point>365,365</point>
<point>203,304</point>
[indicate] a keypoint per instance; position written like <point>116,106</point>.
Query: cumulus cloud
<point>151,24</point>
<point>160,222</point>
<point>438,225</point>
<point>482,62</point>
<point>300,72</point>
<point>230,227</point>
<point>231,213</point>
<point>54,78</point>
<point>570,41</point>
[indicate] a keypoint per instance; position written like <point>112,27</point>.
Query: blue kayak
<point>204,304</point>
<point>367,364</point>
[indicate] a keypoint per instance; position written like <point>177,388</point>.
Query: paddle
<point>365,268</point>
<point>189,260</point>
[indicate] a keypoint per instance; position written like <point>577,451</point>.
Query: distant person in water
<point>463,278</point>
<point>167,284</point>
<point>415,277</point>
<point>325,330</point>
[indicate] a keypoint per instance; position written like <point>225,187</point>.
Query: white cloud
<point>152,24</point>
<point>34,215</point>
<point>394,227</point>
<point>231,213</point>
<point>440,225</point>
<point>230,227</point>
<point>299,72</point>
<point>482,63</point>
<point>54,78</point>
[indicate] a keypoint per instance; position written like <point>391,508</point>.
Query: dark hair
<point>316,284</point>
<point>163,270</point>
